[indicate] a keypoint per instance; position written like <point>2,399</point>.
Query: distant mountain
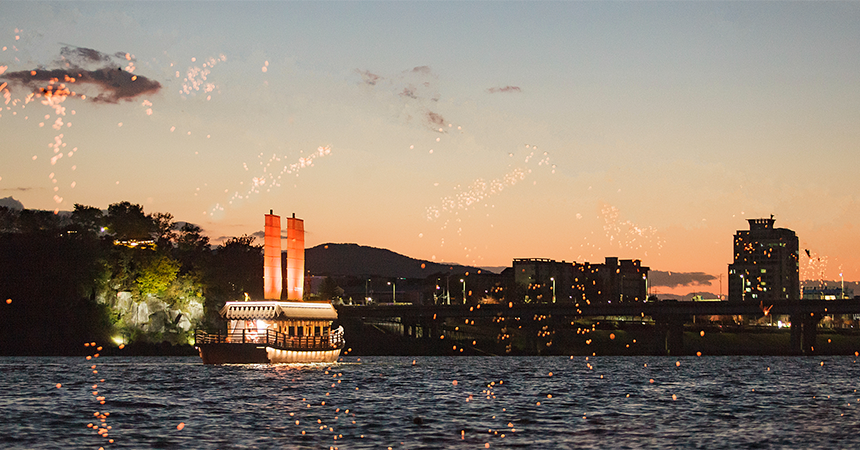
<point>358,260</point>
<point>11,203</point>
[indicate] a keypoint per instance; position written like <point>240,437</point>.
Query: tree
<point>236,269</point>
<point>88,219</point>
<point>8,219</point>
<point>192,248</point>
<point>34,220</point>
<point>127,221</point>
<point>329,289</point>
<point>165,229</point>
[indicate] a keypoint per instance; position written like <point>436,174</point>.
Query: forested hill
<point>358,260</point>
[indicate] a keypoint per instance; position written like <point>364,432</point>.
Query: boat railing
<point>274,339</point>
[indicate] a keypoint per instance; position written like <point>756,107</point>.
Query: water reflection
<point>381,402</point>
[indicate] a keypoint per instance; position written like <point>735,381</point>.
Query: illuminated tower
<point>272,280</point>
<point>295,258</point>
<point>766,266</point>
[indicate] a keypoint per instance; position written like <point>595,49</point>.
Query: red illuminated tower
<point>295,258</point>
<point>272,279</point>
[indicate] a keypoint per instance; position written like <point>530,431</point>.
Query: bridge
<point>669,316</point>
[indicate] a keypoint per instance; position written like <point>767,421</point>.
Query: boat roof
<point>276,310</point>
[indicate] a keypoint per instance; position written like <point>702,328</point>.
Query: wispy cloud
<point>505,89</point>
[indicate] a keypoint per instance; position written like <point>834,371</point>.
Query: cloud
<point>675,279</point>
<point>262,235</point>
<point>409,91</point>
<point>435,119</point>
<point>494,90</point>
<point>112,82</point>
<point>81,55</point>
<point>426,70</point>
<point>369,78</point>
<point>18,189</point>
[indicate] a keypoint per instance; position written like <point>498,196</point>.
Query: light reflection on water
<point>535,402</point>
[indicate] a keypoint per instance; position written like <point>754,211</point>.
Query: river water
<point>432,403</point>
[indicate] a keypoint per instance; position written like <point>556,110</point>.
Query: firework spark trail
<point>626,234</point>
<point>480,190</point>
<point>197,77</point>
<point>623,234</point>
<point>270,179</point>
<point>812,269</point>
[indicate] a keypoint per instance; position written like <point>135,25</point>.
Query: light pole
<point>462,280</point>
<point>393,291</point>
<point>448,288</point>
<point>553,288</point>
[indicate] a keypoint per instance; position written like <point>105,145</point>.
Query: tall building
<point>766,264</point>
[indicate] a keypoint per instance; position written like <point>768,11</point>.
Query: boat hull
<point>229,353</point>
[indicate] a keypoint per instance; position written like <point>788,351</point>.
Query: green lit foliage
<point>156,274</point>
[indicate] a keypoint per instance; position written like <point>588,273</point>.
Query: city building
<point>826,293</point>
<point>766,264</point>
<point>545,280</point>
<point>614,281</point>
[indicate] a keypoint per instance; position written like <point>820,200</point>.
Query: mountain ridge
<point>349,259</point>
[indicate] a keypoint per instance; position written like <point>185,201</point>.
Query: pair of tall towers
<point>272,273</point>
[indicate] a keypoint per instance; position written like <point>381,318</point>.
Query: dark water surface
<point>500,402</point>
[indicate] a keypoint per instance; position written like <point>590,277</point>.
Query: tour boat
<point>274,331</point>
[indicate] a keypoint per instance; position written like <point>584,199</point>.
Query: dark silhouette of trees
<point>87,219</point>
<point>126,221</point>
<point>234,269</point>
<point>48,287</point>
<point>329,289</point>
<point>164,229</point>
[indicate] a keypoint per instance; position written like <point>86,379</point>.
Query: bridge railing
<point>274,339</point>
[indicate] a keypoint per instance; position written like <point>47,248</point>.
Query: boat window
<point>317,331</point>
<point>292,331</point>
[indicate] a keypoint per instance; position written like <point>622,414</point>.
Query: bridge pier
<point>670,334</point>
<point>804,331</point>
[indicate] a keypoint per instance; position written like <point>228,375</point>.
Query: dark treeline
<point>114,277</point>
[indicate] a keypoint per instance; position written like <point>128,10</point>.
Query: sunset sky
<point>469,132</point>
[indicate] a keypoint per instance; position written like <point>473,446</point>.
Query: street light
<point>553,288</point>
<point>464,290</point>
<point>393,291</point>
